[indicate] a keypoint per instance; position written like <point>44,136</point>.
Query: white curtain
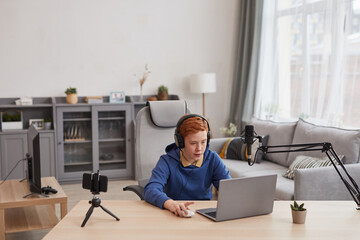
<point>309,62</point>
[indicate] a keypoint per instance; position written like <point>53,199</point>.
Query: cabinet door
<point>112,140</point>
<point>74,133</point>
<point>47,154</point>
<point>13,149</point>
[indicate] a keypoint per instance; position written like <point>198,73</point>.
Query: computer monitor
<point>33,160</point>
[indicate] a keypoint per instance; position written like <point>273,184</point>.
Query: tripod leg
<point>88,214</point>
<point>117,219</point>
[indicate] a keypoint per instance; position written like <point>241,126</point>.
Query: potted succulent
<point>298,213</point>
<point>47,123</point>
<point>71,95</point>
<point>163,93</point>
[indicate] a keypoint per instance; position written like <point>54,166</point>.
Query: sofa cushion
<point>284,186</point>
<point>234,148</point>
<point>242,168</point>
<point>279,134</point>
<point>324,183</point>
<point>345,142</point>
<point>302,161</point>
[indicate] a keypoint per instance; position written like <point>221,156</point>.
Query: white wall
<point>98,46</point>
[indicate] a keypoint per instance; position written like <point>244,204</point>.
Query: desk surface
<point>12,194</point>
<point>34,212</point>
<point>140,220</point>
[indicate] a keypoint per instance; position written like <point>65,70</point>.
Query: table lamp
<point>203,83</point>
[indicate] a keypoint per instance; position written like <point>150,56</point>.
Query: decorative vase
<point>298,216</point>
<point>163,96</point>
<point>141,98</point>
<point>72,98</point>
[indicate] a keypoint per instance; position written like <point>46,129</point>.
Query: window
<point>309,62</point>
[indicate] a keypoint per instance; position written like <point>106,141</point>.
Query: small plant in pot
<point>298,213</point>
<point>47,123</point>
<point>163,93</point>
<point>71,95</point>
<point>11,120</point>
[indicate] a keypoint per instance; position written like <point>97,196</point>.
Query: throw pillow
<point>308,162</point>
<point>235,148</point>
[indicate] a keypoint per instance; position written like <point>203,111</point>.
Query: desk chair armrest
<point>136,189</point>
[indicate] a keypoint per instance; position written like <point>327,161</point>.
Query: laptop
<point>243,197</point>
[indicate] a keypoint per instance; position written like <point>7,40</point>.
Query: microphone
<point>249,140</point>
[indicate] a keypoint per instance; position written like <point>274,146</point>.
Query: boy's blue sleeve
<point>220,171</point>
<point>154,190</point>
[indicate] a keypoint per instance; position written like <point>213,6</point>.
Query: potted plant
<point>230,131</point>
<point>298,213</point>
<point>47,123</point>
<point>163,93</point>
<point>71,95</point>
<point>11,120</point>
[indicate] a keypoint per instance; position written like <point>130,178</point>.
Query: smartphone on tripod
<point>95,182</point>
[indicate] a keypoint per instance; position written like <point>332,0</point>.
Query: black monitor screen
<point>33,157</point>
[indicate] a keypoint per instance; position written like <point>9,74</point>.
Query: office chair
<point>154,130</point>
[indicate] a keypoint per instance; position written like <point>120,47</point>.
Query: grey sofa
<point>309,184</point>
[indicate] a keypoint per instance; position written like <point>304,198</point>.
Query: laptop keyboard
<point>212,214</point>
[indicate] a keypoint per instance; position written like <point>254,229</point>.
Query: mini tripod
<point>96,202</point>
<point>96,183</point>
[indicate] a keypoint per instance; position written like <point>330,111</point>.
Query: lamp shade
<point>203,83</point>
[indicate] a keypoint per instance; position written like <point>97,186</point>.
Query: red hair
<point>192,125</point>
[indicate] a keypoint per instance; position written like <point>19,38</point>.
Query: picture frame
<point>117,97</point>
<point>38,123</point>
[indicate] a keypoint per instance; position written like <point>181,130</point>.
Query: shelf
<point>77,164</point>
<point>36,102</point>
<point>76,141</point>
<point>111,118</point>
<point>112,161</point>
<point>24,131</point>
<point>42,216</point>
<point>112,140</point>
<point>26,106</point>
<point>135,98</point>
<point>76,119</point>
<point>61,101</point>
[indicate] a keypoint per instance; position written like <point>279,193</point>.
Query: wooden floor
<point>75,193</point>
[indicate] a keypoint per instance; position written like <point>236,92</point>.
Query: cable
<point>12,170</point>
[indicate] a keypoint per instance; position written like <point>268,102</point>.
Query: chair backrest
<point>154,130</point>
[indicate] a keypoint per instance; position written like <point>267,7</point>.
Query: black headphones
<point>179,140</point>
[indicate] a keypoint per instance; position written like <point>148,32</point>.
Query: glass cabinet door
<point>94,137</point>
<point>112,140</point>
<point>77,138</point>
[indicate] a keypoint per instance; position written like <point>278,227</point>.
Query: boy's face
<point>195,145</point>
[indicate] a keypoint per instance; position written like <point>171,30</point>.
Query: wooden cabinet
<point>94,137</point>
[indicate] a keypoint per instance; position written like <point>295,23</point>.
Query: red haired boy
<point>187,170</point>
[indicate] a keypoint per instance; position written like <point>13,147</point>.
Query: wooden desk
<point>140,220</point>
<point>19,214</point>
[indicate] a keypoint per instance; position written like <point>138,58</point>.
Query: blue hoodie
<point>171,180</point>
